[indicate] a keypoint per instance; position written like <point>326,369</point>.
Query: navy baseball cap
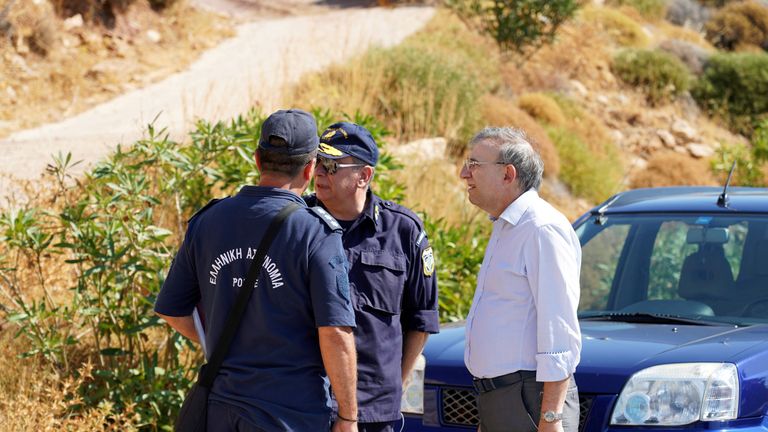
<point>298,128</point>
<point>348,139</point>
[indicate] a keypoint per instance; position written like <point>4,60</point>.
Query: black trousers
<point>517,407</point>
<point>225,418</point>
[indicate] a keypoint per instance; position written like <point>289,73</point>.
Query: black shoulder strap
<point>230,329</point>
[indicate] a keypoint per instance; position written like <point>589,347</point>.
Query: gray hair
<point>515,148</point>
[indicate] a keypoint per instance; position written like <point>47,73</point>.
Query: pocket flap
<point>384,259</point>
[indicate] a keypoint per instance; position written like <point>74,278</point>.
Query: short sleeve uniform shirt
<point>394,290</point>
<point>274,371</point>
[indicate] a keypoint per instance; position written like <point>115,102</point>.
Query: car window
<point>683,265</point>
<point>600,256</point>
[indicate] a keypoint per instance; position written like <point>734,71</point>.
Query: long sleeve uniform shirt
<point>523,314</point>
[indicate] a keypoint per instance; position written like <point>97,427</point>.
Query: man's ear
<point>510,173</point>
<point>309,169</point>
<point>366,175</point>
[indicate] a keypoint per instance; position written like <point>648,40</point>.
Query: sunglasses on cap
<point>331,166</point>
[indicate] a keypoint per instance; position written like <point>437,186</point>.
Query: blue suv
<point>673,314</point>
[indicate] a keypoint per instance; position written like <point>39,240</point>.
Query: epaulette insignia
<point>428,260</point>
<point>326,217</point>
<point>376,212</point>
<point>421,237</point>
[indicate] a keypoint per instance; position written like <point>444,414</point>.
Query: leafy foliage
<point>732,86</point>
<point>659,74</point>
<point>520,25</point>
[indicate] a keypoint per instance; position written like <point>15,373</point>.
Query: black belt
<point>483,385</point>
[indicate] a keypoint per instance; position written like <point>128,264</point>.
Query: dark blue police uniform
<point>394,290</point>
<point>273,375</point>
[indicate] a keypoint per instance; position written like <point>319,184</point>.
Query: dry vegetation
<point>54,65</point>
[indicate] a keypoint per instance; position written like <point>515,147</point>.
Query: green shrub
<point>739,25</point>
<point>659,74</point>
<point>734,86</point>
<point>649,9</point>
<point>517,25</point>
<point>622,29</point>
<point>587,173</point>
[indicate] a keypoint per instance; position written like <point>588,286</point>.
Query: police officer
<point>392,272</point>
<point>299,321</point>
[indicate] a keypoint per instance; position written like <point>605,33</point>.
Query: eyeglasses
<point>470,164</point>
<point>331,166</point>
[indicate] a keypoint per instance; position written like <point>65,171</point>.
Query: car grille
<point>460,407</point>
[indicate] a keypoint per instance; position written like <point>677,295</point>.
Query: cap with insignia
<point>349,139</point>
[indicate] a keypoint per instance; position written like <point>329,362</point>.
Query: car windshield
<point>675,268</point>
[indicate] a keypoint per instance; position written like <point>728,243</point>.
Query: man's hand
<point>344,426</point>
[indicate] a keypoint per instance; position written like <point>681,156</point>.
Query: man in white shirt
<point>523,339</point>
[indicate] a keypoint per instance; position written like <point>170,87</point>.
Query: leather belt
<point>483,385</point>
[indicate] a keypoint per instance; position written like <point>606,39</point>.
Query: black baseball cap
<point>349,139</point>
<point>298,128</point>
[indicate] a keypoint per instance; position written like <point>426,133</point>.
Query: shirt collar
<point>269,191</point>
<point>518,207</point>
<point>372,209</point>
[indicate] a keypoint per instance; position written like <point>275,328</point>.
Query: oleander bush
<point>732,87</point>
<point>660,75</point>
<point>739,25</point>
<point>518,26</point>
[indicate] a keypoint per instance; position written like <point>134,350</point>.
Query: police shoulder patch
<point>326,217</point>
<point>428,261</point>
<point>210,204</point>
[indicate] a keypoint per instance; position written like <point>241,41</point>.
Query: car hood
<point>612,351</point>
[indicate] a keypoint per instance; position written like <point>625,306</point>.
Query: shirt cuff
<point>421,320</point>
<point>554,366</point>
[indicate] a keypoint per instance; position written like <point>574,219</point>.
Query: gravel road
<point>249,69</point>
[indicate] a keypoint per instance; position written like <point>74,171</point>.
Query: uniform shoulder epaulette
<point>389,205</point>
<point>210,204</point>
<point>325,217</point>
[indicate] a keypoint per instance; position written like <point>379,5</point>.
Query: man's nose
<point>464,173</point>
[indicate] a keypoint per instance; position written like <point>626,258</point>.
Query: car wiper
<point>650,318</point>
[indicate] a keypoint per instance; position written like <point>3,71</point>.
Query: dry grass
<point>621,28</point>
<point>84,66</point>
<point>542,107</point>
<point>673,169</point>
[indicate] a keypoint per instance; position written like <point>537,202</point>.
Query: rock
<point>578,87</point>
<point>616,135</point>
<point>11,94</point>
<point>685,131</point>
<point>603,99</point>
<point>73,22</point>
<point>105,68</point>
<point>699,150</point>
<point>666,138</point>
<point>21,64</point>
<point>154,36</point>
<point>638,164</point>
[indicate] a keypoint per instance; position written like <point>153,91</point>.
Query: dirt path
<point>249,69</point>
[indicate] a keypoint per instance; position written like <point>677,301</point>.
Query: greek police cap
<point>349,139</point>
<point>298,128</point>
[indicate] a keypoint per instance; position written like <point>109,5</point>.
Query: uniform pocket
<point>383,274</point>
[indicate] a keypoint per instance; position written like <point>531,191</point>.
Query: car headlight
<point>413,392</point>
<point>679,394</point>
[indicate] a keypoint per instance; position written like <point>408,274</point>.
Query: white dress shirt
<point>523,315</point>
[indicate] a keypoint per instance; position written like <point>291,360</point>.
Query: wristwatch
<point>551,416</point>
